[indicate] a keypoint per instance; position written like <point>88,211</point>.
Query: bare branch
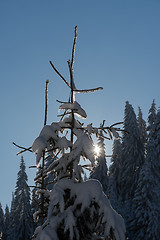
<point>72,84</point>
<point>59,74</point>
<point>46,102</point>
<point>116,124</point>
<point>74,46</point>
<point>102,125</point>
<point>60,101</point>
<point>24,149</point>
<point>107,132</point>
<point>103,135</point>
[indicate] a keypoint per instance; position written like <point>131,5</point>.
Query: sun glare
<point>96,150</point>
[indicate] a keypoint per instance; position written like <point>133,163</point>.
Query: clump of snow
<point>83,146</point>
<point>65,213</point>
<point>48,132</point>
<point>76,107</point>
<point>63,143</point>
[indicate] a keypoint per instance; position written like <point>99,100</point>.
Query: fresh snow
<point>84,194</point>
<point>76,107</point>
<point>42,142</point>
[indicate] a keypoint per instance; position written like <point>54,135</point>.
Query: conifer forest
<point>77,195</point>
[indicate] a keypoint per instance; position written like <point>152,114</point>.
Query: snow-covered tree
<point>6,223</point>
<point>157,159</point>
<point>100,172</point>
<point>151,145</point>
<point>131,163</point>
<point>142,128</point>
<point>132,154</point>
<point>2,229</point>
<point>77,209</point>
<point>147,193</point>
<point>114,174</point>
<point>12,220</point>
<point>22,208</point>
<point>114,170</point>
<point>157,143</point>
<point>145,224</point>
<point>152,117</point>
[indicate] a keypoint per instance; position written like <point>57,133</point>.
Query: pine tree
<point>151,117</point>
<point>157,144</point>
<point>114,175</point>
<point>157,161</point>
<point>142,128</point>
<point>101,170</point>
<point>131,164</point>
<point>2,227</point>
<point>115,166</point>
<point>12,221</point>
<point>22,207</point>
<point>77,209</point>
<point>151,144</point>
<point>145,222</point>
<point>145,203</point>
<point>6,223</point>
<point>132,154</point>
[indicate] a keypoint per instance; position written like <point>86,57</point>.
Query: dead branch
<point>60,101</point>
<point>74,46</point>
<point>59,74</point>
<point>24,149</point>
<point>116,124</point>
<point>71,80</point>
<point>107,132</point>
<point>104,136</point>
<point>46,101</point>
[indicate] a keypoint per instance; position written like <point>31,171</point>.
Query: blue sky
<point>118,48</point>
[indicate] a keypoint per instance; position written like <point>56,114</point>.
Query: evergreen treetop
<point>1,220</point>
<point>142,128</point>
<point>21,217</point>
